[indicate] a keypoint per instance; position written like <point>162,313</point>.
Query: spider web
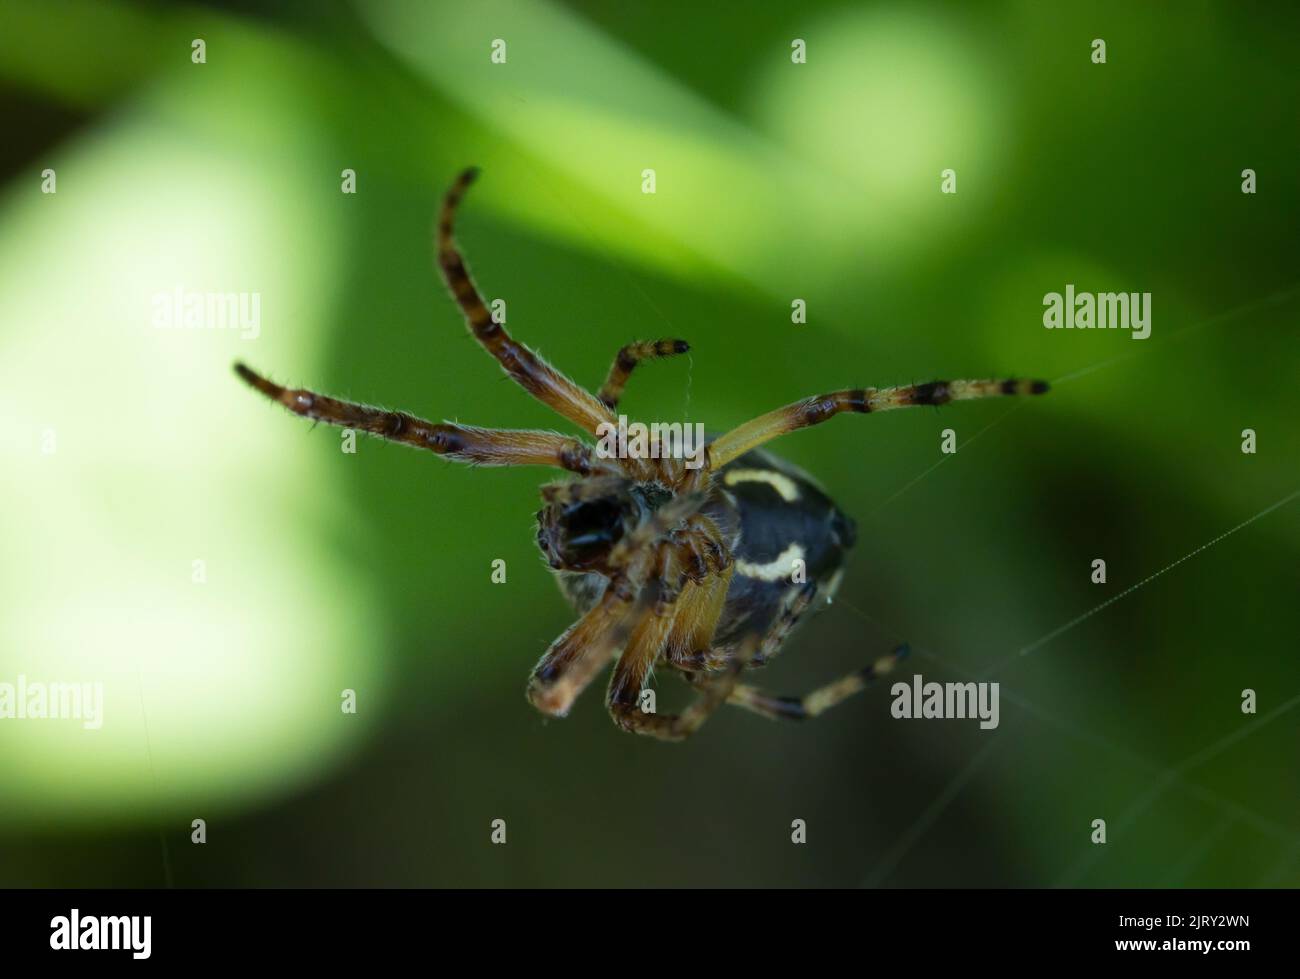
<point>1165,776</point>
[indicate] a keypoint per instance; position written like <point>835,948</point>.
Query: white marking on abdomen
<point>781,566</point>
<point>780,482</point>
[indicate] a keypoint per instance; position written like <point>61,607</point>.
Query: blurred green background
<point>775,181</point>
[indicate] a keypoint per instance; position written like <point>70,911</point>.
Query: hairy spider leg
<point>578,490</point>
<point>464,443</point>
<point>815,410</point>
<point>633,672</point>
<point>626,360</point>
<point>824,697</point>
<point>816,701</point>
<point>533,374</point>
<point>573,660</point>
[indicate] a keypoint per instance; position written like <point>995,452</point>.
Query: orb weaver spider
<point>701,570</point>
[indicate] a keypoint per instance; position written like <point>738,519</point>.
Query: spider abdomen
<point>791,536</point>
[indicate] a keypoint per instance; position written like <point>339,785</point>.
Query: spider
<point>700,570</point>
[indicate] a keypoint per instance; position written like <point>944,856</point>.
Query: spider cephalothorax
<point>579,533</point>
<point>702,566</point>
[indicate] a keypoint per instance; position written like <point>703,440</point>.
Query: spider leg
<point>465,443</point>
<point>815,410</point>
<point>690,643</point>
<point>636,664</point>
<point>632,672</point>
<point>703,542</point>
<point>700,659</point>
<point>533,374</point>
<point>587,646</point>
<point>583,650</point>
<point>577,490</point>
<point>626,360</point>
<point>694,618</point>
<point>699,665</point>
<point>817,701</point>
